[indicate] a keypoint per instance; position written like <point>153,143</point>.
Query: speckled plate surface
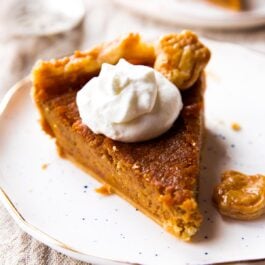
<point>199,13</point>
<point>56,203</point>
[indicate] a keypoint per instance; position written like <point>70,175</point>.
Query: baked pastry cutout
<point>240,196</point>
<point>181,58</point>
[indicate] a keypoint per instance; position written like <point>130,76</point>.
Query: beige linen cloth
<point>103,21</point>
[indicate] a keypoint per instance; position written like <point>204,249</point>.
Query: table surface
<point>103,21</point>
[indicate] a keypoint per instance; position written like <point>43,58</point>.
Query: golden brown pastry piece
<point>240,196</point>
<point>181,58</point>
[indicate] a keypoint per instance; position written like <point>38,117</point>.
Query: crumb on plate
<point>44,166</point>
<point>104,190</point>
<point>236,127</point>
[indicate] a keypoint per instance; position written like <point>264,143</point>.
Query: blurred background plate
<point>38,17</point>
<point>199,13</point>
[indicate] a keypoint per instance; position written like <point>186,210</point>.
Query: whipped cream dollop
<point>129,103</point>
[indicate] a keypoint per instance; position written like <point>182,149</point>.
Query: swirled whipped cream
<point>129,103</point>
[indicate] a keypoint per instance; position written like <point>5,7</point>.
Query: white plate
<point>198,13</point>
<point>59,206</point>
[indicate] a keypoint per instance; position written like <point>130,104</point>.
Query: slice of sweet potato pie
<point>158,175</point>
